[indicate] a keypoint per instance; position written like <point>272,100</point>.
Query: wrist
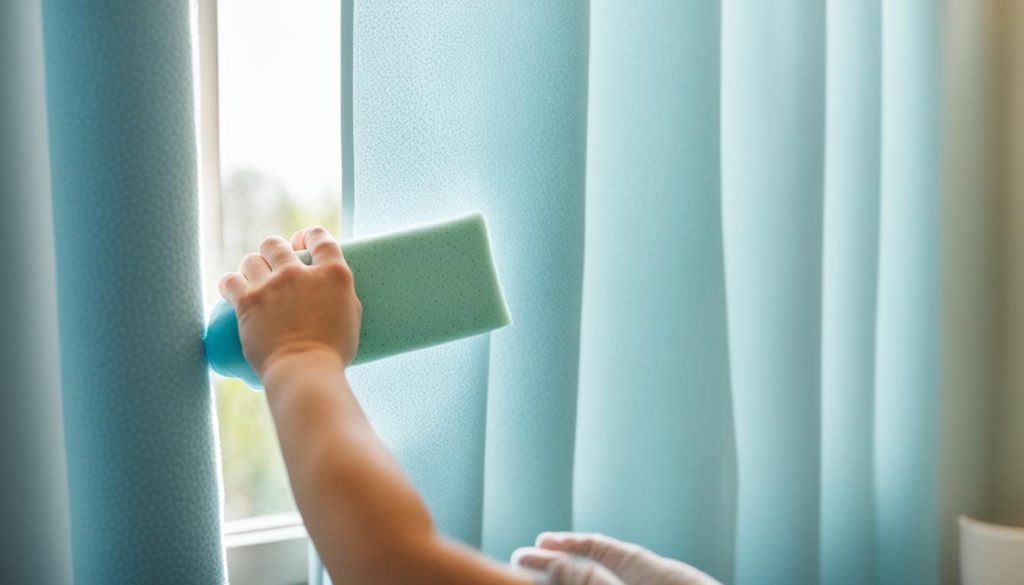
<point>282,364</point>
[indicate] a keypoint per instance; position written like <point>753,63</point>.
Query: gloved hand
<point>571,558</point>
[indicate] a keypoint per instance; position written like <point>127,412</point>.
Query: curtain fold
<point>906,375</point>
<point>466,106</point>
<point>532,191</point>
<point>849,288</point>
<point>141,449</point>
<point>773,91</point>
<point>408,101</point>
<point>721,226</point>
<point>757,409</point>
<point>655,413</point>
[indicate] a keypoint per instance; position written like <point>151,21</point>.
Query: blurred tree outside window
<point>280,149</point>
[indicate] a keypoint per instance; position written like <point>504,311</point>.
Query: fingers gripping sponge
<point>419,287</point>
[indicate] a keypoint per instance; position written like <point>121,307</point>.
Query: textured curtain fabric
<point>139,429</point>
<point>757,334</point>
<point>655,407</point>
<point>444,121</point>
<point>762,259</point>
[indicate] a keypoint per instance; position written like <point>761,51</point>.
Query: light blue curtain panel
<point>852,183</point>
<point>724,347</point>
<point>142,469</point>
<point>415,128</point>
<point>773,89</point>
<point>906,404</point>
<point>532,174</point>
<point>481,106</point>
<point>655,454</point>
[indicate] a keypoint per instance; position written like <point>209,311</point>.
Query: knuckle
<point>340,272</point>
<point>290,272</point>
<point>248,299</point>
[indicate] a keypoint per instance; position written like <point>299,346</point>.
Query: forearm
<point>352,494</point>
<point>364,515</point>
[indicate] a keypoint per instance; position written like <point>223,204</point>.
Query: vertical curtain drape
<point>142,466</point>
<point>758,356</point>
<point>741,279</point>
<point>462,106</point>
<point>773,98</point>
<point>906,352</point>
<point>849,291</point>
<point>655,406</point>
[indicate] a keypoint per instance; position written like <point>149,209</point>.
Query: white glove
<point>572,558</point>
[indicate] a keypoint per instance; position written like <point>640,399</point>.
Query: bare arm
<point>299,327</point>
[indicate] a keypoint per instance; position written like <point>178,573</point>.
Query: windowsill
<point>267,550</point>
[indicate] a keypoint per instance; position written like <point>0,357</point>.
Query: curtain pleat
<point>773,90</point>
<point>849,288</point>
<point>655,409</point>
<point>139,428</point>
<point>469,106</point>
<point>531,181</point>
<point>412,133</point>
<point>758,406</point>
<point>722,230</point>
<point>906,352</point>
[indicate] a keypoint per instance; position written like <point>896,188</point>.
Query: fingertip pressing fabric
<point>773,89</point>
<point>849,287</point>
<point>419,287</point>
<point>655,450</point>
<point>138,412</point>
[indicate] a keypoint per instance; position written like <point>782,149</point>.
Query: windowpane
<point>280,170</point>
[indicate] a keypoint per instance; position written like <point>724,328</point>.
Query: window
<point>271,164</point>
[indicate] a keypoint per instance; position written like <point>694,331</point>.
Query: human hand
<point>572,558</point>
<point>286,308</point>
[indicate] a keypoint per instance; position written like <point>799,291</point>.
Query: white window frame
<point>267,550</point>
<point>262,550</point>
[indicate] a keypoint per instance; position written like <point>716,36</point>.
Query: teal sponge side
<point>419,287</point>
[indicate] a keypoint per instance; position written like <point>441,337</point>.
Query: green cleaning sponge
<point>419,287</point>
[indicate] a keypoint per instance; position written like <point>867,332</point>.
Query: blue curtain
<point>849,291</point>
<point>773,98</point>
<point>743,374</point>
<point>462,106</point>
<point>716,224</point>
<point>655,406</point>
<point>141,451</point>
<point>907,348</point>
